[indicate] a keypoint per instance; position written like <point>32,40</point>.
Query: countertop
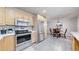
<point>4,35</point>
<point>76,35</point>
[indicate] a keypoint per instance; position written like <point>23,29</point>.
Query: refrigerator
<point>40,30</point>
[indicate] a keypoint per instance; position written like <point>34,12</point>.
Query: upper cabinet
<point>2,16</point>
<point>26,17</point>
<point>10,16</point>
<point>19,14</point>
<point>31,20</point>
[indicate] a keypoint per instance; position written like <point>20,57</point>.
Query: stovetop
<point>22,31</point>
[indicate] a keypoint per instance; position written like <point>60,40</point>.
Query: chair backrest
<point>65,31</point>
<point>50,30</point>
<point>54,30</point>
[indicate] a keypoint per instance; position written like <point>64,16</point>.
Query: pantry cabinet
<point>8,43</point>
<point>2,16</point>
<point>10,16</point>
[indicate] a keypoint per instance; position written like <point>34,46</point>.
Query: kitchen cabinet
<point>10,16</point>
<point>34,37</point>
<point>34,22</point>
<point>75,44</point>
<point>8,43</point>
<point>19,14</point>
<point>75,41</point>
<point>26,17</point>
<point>1,44</point>
<point>2,16</point>
<point>31,21</point>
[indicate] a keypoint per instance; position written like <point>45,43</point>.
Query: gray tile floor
<point>52,44</point>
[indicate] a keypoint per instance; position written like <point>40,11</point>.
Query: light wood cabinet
<point>34,21</point>
<point>2,16</point>
<point>75,44</point>
<point>8,43</point>
<point>19,14</point>
<point>10,16</point>
<point>26,17</point>
<point>1,45</point>
<point>34,37</point>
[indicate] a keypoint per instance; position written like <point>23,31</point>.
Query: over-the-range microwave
<point>22,22</point>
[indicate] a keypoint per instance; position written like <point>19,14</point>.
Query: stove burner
<point>22,31</point>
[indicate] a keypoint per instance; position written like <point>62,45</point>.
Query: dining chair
<point>50,31</point>
<point>64,33</point>
<point>56,32</point>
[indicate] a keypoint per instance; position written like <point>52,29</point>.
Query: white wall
<point>69,23</point>
<point>78,24</point>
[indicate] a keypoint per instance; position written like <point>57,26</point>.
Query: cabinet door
<point>34,37</point>
<point>76,44</point>
<point>10,43</point>
<point>26,17</point>
<point>31,20</point>
<point>19,14</point>
<point>1,45</point>
<point>10,16</point>
<point>2,16</point>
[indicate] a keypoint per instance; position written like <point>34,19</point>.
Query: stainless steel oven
<point>23,39</point>
<point>22,36</point>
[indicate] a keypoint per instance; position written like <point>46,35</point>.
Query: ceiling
<point>53,12</point>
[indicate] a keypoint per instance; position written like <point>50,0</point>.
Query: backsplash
<point>7,29</point>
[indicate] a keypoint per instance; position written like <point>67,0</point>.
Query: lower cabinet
<point>1,45</point>
<point>8,43</point>
<point>75,44</point>
<point>34,37</point>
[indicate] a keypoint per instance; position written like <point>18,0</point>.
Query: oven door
<point>23,42</point>
<point>24,38</point>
